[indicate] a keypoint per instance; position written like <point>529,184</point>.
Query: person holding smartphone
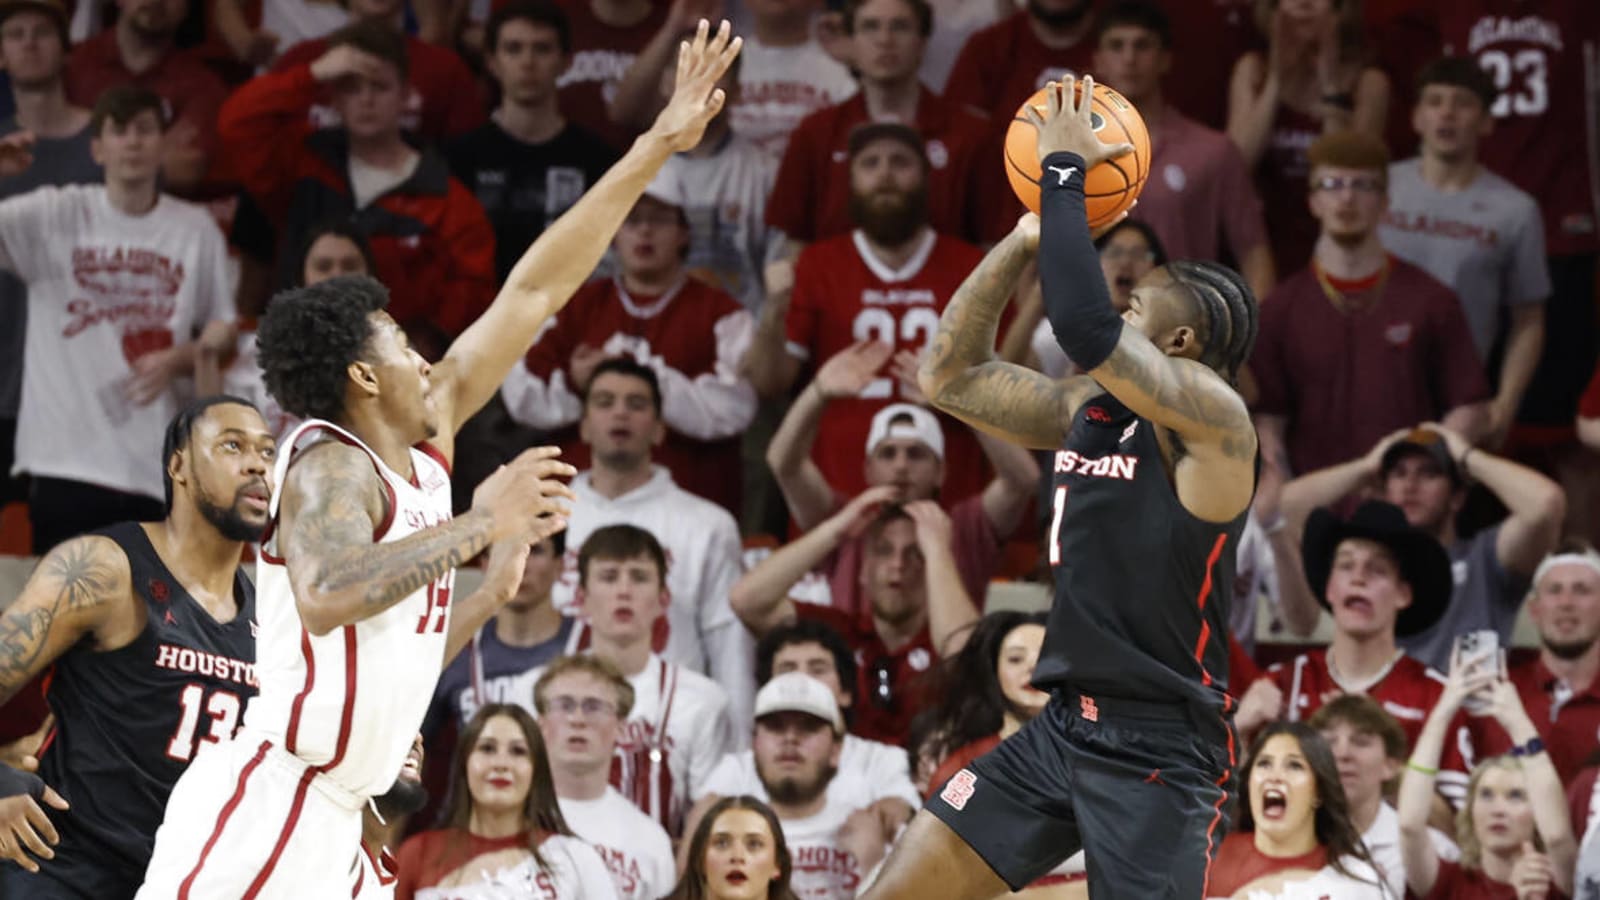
<point>1514,831</point>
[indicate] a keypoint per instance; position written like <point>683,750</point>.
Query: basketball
<point>1110,187</point>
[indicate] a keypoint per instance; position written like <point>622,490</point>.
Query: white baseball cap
<point>924,427</point>
<point>799,692</point>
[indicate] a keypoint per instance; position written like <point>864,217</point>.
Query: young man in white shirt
<point>124,284</point>
<point>582,700</point>
<point>677,729</point>
<point>622,424</point>
<point>785,74</point>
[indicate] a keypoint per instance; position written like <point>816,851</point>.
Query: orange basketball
<point>1109,188</point>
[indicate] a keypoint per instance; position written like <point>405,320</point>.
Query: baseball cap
<point>55,9</point>
<point>923,426</point>
<point>667,186</point>
<point>862,135</point>
<point>799,692</point>
<point>1421,442</point>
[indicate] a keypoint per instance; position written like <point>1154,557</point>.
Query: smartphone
<point>1477,649</point>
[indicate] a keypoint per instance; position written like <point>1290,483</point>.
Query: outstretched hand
<point>696,99</point>
<point>1068,123</point>
<point>848,372</point>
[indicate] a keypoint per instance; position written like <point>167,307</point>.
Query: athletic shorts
<point>250,820</point>
<point>1141,788</point>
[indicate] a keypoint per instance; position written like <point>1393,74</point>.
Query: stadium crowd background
<point>1410,186</point>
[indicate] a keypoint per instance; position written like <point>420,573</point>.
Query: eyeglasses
<point>1128,254</point>
<point>882,686</point>
<point>1361,184</point>
<point>591,707</point>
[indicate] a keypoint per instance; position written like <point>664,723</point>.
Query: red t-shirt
<point>1457,883</point>
<point>1199,193</point>
<point>998,68</point>
<point>1580,796</point>
<point>1536,52</point>
<point>811,198</point>
<point>1238,863</point>
<point>1344,380</point>
<point>1208,37</point>
<point>601,55</point>
<point>425,859</point>
<point>444,99</point>
<point>1568,729</point>
<point>879,717</point>
<point>1408,692</point>
<point>1589,403</point>
<point>841,295</point>
<point>679,335</point>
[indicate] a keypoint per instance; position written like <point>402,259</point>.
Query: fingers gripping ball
<point>1110,187</point>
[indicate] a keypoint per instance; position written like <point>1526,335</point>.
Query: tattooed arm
<point>333,504</point>
<point>962,376</point>
<point>81,588</point>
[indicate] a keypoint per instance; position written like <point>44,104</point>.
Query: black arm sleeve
<point>1075,296</point>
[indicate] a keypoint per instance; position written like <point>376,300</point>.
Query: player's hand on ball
<point>522,496</point>
<point>1068,124</point>
<point>696,99</point>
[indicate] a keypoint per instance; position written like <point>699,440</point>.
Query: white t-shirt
<point>573,871</point>
<point>678,714</point>
<point>296,21</point>
<point>822,869</point>
<point>703,562</point>
<point>1383,842</point>
<point>779,86</point>
<point>634,848</point>
<point>869,771</point>
<point>105,289</point>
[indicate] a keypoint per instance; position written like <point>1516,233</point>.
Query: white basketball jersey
<point>349,702</point>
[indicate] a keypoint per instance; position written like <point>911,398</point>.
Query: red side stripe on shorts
<point>1216,818</point>
<point>300,698</point>
<point>1200,606</point>
<point>222,820</point>
<point>347,714</point>
<point>283,835</point>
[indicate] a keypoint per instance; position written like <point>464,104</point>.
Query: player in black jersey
<point>1153,476</point>
<point>150,629</point>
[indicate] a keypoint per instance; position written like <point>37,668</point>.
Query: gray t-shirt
<point>1485,241</point>
<point>1486,596</point>
<point>56,161</point>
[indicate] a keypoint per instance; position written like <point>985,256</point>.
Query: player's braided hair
<point>1231,315</point>
<point>310,336</point>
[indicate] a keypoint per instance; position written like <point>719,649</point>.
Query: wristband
<point>1533,747</point>
<point>1421,769</point>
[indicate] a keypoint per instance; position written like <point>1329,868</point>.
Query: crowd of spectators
<point>766,633</point>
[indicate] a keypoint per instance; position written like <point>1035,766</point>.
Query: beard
<point>228,520</point>
<point>403,799</point>
<point>890,224</point>
<point>1568,650</point>
<point>1060,19</point>
<point>794,792</point>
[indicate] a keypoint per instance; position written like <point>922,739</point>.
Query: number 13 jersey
<point>129,720</point>
<point>349,702</point>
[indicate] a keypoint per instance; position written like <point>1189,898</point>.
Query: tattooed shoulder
<point>86,572</point>
<point>330,497</point>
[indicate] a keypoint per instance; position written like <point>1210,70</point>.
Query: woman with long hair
<point>1315,77</point>
<point>737,853</point>
<point>1514,830</point>
<point>1295,836</point>
<point>985,693</point>
<point>504,836</point>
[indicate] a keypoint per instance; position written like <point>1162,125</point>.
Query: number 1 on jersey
<point>1055,525</point>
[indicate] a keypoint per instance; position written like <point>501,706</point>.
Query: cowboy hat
<point>1424,565</point>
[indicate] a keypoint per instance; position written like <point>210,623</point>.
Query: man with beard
<point>1425,472</point>
<point>1002,65</point>
<point>141,51</point>
<point>798,736</point>
<point>692,335</point>
<point>883,284</point>
<point>887,39</point>
<point>1558,687</point>
<point>374,872</point>
<point>150,628</point>
<point>1359,343</point>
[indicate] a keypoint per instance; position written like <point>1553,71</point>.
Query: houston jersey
<point>1545,61</point>
<point>130,720</point>
<point>349,702</point>
<point>1142,585</point>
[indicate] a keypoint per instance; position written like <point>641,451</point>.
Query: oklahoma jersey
<point>349,702</point>
<point>1542,57</point>
<point>844,294</point>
